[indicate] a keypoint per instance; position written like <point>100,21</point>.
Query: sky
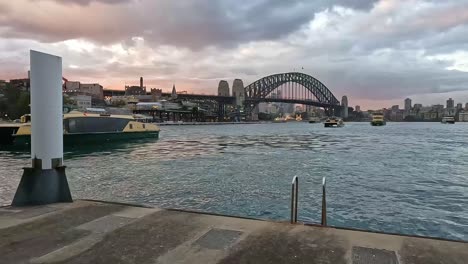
<point>375,52</point>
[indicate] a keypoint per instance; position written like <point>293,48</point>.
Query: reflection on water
<point>405,178</point>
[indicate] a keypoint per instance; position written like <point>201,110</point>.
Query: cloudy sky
<point>376,52</point>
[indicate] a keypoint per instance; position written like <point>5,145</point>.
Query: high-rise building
<point>344,104</point>
<point>450,103</point>
<point>417,106</point>
<point>223,88</point>
<point>459,106</point>
<point>358,108</point>
<point>238,91</point>
<point>407,105</point>
<point>395,108</point>
<point>466,106</point>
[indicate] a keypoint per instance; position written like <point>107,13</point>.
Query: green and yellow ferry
<point>82,127</point>
<point>378,119</point>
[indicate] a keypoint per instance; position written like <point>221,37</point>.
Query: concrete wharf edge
<point>88,231</point>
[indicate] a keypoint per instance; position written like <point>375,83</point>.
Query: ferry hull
<point>378,123</point>
<point>93,138</point>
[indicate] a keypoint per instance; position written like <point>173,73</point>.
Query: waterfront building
<point>358,108</point>
<point>23,84</point>
<point>450,103</point>
<point>344,104</point>
<point>95,90</point>
<point>459,106</point>
<point>82,101</point>
<point>463,116</point>
<point>136,90</point>
<point>395,108</point>
<point>156,94</point>
<point>223,88</point>
<point>71,86</point>
<point>466,106</point>
<point>417,106</point>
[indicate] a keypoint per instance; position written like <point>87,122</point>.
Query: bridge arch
<point>259,90</point>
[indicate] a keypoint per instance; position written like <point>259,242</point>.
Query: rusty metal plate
<point>362,255</point>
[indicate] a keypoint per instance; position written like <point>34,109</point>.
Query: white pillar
<point>46,110</point>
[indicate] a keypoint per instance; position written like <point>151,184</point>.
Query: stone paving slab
<point>99,232</point>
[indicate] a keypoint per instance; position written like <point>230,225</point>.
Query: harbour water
<point>409,178</point>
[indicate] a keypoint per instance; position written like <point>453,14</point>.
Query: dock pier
<point>101,232</point>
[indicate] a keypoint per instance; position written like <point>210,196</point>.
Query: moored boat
<point>314,119</point>
<point>79,127</point>
<point>334,122</point>
<point>378,119</point>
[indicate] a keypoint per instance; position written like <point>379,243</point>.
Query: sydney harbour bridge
<point>290,87</point>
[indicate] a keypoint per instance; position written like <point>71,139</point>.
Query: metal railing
<point>294,198</point>
<point>324,202</point>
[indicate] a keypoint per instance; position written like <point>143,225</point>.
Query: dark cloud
<point>377,50</point>
<point>191,23</point>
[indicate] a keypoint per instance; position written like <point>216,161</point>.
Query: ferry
<point>314,119</point>
<point>448,120</point>
<point>298,118</point>
<point>378,119</point>
<point>334,122</point>
<point>279,120</point>
<point>81,127</point>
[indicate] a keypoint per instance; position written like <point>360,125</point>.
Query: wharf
<point>101,232</point>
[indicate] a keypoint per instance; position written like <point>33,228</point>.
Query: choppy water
<point>409,178</point>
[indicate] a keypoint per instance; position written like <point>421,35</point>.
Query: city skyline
<point>376,52</point>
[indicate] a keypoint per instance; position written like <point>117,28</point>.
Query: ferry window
<point>131,126</point>
<point>71,125</point>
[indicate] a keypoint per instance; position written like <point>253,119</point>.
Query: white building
<point>82,101</point>
<point>463,116</point>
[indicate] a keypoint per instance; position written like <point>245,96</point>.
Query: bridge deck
<point>98,232</point>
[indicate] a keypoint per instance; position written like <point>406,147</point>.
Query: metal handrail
<point>294,198</point>
<point>324,202</point>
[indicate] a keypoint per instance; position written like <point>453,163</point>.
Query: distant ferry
<point>334,122</point>
<point>298,118</point>
<point>448,120</point>
<point>279,120</point>
<point>79,127</point>
<point>378,119</point>
<point>314,119</point>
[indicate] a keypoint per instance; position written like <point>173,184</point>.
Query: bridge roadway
<point>101,232</point>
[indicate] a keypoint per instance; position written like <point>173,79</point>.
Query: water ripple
<point>406,178</point>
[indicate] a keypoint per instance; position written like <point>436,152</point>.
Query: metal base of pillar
<point>39,186</point>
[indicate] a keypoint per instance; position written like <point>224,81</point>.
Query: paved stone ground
<point>98,232</point>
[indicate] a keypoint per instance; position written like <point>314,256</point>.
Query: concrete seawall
<point>100,232</point>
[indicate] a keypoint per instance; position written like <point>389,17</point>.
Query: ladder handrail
<point>324,202</point>
<point>294,198</point>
